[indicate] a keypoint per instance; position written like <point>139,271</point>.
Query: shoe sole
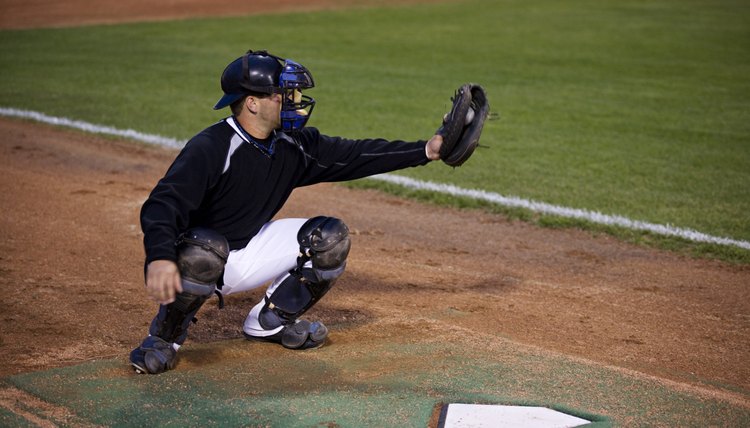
<point>139,369</point>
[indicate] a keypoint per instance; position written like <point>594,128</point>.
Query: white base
<point>492,416</point>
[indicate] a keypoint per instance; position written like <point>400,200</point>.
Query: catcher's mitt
<point>462,126</point>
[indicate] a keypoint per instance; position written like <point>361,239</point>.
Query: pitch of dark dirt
<point>71,271</point>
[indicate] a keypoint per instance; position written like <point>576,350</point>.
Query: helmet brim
<point>226,100</point>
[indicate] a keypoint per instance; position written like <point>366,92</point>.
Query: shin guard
<point>324,246</point>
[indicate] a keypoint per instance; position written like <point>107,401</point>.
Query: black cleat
<point>301,335</point>
<point>154,356</point>
<point>138,360</point>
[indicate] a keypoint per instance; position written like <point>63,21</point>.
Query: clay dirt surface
<point>19,14</point>
<point>71,265</point>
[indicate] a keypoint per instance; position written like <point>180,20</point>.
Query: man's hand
<point>163,281</point>
<point>433,147</point>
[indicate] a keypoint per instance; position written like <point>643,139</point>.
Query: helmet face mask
<point>296,109</point>
<point>261,72</point>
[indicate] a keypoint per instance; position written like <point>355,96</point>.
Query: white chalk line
<point>544,208</point>
<point>92,128</point>
<point>482,195</point>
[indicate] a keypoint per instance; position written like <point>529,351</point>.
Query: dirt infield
<point>18,14</point>
<point>71,260</point>
<point>71,271</point>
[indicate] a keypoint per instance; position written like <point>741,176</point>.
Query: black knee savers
<point>324,241</point>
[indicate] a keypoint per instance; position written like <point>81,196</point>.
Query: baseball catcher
<point>208,227</point>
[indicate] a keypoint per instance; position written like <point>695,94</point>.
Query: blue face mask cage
<point>295,107</point>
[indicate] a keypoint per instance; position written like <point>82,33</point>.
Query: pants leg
<point>270,254</point>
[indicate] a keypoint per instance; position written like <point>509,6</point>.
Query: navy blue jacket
<point>225,180</point>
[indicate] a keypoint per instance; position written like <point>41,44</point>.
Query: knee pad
<point>325,242</point>
<point>201,256</point>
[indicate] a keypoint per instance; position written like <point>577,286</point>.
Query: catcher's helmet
<point>261,72</point>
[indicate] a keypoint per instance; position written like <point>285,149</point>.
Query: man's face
<point>269,110</point>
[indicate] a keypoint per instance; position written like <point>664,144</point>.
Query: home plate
<point>492,416</point>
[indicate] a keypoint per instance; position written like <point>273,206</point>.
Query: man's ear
<point>251,104</point>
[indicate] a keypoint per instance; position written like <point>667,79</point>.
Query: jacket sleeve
<point>340,159</point>
<point>166,212</point>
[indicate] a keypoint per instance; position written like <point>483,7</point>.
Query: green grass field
<point>636,108</point>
